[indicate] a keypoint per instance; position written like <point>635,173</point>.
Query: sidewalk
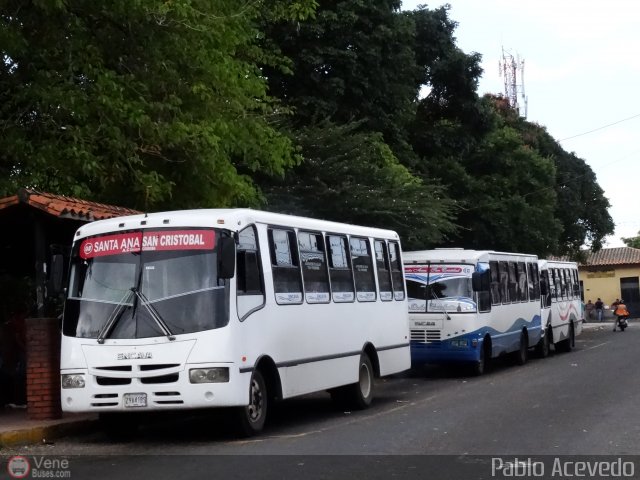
<point>17,429</point>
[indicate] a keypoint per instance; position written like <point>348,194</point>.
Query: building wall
<point>604,282</point>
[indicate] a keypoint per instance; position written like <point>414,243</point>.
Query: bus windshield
<point>441,288</point>
<point>145,284</point>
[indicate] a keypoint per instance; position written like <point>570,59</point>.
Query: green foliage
<point>581,207</point>
<point>366,114</point>
<point>353,177</point>
<point>140,103</point>
<point>633,242</point>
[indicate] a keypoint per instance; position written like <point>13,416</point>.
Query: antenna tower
<point>510,68</point>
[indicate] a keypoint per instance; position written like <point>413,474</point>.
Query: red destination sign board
<point>147,242</point>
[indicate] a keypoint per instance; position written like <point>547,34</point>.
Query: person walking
<point>599,309</point>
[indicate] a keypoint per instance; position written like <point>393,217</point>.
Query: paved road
<point>581,403</point>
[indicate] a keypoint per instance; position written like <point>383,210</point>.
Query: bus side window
<point>568,288</point>
<point>250,284</point>
<point>557,287</point>
<point>576,284</point>
<point>314,267</point>
<point>396,271</point>
<point>532,294</point>
<point>495,283</point>
<point>523,288</point>
<point>513,283</point>
<point>287,280</point>
<point>340,273</point>
<point>504,282</point>
<point>550,287</point>
<point>384,272</point>
<point>363,269</point>
<point>536,281</point>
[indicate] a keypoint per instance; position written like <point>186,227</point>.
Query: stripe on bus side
<point>303,361</point>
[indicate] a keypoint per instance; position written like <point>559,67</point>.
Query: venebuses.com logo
<point>20,466</point>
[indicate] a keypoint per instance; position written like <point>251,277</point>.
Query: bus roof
<point>234,219</point>
<point>461,255</point>
<point>544,263</point>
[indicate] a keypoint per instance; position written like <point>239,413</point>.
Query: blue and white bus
<point>468,306</point>
<point>562,314</point>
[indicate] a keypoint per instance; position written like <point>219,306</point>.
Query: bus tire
<point>481,366</point>
<point>522,354</point>
<point>544,345</point>
<point>359,395</point>
<point>251,419</point>
<point>567,344</point>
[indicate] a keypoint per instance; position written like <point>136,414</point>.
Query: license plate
<point>135,399</point>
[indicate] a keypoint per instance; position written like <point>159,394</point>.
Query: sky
<point>581,69</point>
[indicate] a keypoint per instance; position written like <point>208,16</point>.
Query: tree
<point>351,176</point>
<point>142,103</point>
<point>355,78</point>
<point>633,242</point>
<point>581,206</point>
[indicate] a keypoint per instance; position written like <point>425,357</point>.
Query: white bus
<point>229,308</point>
<point>468,306</point>
<point>562,314</point>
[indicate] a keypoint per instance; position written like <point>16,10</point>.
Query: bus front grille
<point>421,335</point>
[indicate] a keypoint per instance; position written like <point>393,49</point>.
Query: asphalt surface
<point>580,403</point>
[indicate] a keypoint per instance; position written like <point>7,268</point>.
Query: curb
<point>44,433</point>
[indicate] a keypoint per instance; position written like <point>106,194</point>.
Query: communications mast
<point>512,70</point>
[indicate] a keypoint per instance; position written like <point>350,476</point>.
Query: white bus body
<point>562,314</point>
<point>307,305</point>
<point>453,319</point>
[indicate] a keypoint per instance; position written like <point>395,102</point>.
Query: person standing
<point>589,308</point>
<point>599,309</point>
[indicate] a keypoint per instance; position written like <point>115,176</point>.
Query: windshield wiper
<point>154,314</point>
<point>444,309</point>
<point>114,317</point>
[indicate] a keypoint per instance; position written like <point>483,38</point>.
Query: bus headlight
<point>72,380</point>
<point>209,375</point>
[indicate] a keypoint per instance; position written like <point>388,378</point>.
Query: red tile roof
<point>65,207</point>
<point>613,256</point>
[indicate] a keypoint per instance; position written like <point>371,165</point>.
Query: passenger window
<point>287,281</point>
<point>504,282</point>
<point>396,271</point>
<point>314,267</point>
<point>513,283</point>
<point>340,271</point>
<point>363,269</point>
<point>250,284</point>
<point>384,272</point>
<point>495,283</point>
<point>534,285</point>
<point>523,288</point>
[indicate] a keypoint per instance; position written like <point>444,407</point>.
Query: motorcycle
<point>622,323</point>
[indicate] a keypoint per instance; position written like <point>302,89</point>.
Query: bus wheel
<point>252,417</point>
<point>543,346</point>
<point>523,351</point>
<point>481,366</point>
<point>359,395</point>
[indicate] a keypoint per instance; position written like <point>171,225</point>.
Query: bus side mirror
<point>226,257</point>
<point>481,281</point>
<point>56,274</point>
